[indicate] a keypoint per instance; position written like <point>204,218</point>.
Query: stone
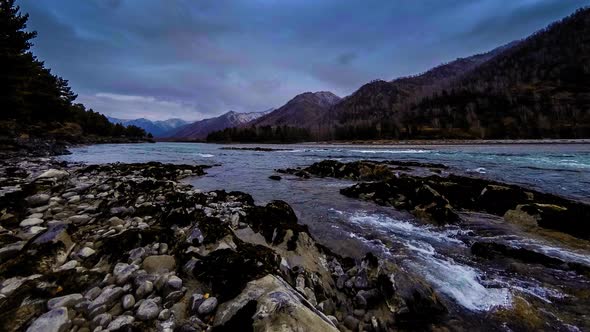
<point>208,306</point>
<point>275,177</point>
<point>38,200</point>
<point>351,323</point>
<point>108,297</point>
<point>175,282</point>
<point>66,301</point>
<point>273,305</point>
<point>120,321</point>
<point>56,320</point>
<point>164,314</point>
<point>102,320</point>
<point>144,289</point>
<point>31,222</point>
<point>148,310</point>
<point>128,301</point>
<point>68,265</point>
<point>123,272</point>
<point>136,255</point>
<point>159,263</point>
<point>86,252</point>
<point>93,293</point>
<point>79,219</point>
<point>53,173</point>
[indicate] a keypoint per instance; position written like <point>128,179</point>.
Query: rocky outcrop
<point>439,198</point>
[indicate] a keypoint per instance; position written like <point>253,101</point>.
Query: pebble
<point>86,252</point>
<point>159,263</point>
<point>31,222</point>
<point>128,301</point>
<point>147,310</point>
<point>208,306</point>
<point>38,200</point>
<point>144,289</point>
<point>175,282</point>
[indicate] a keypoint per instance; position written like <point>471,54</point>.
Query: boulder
<point>270,304</point>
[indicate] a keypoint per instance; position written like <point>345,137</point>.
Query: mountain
<point>156,128</point>
<point>303,111</point>
<point>535,88</point>
<point>200,129</point>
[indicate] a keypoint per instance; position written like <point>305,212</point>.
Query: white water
<point>460,282</point>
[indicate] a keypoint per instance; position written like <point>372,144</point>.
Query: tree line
<point>261,134</point>
<point>36,102</point>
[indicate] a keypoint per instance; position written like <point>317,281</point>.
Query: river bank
<point>128,246</point>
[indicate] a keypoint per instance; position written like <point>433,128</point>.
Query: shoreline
<point>436,142</point>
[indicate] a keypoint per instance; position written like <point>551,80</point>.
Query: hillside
<point>303,111</point>
<point>535,88</point>
<point>156,128</point>
<point>200,129</point>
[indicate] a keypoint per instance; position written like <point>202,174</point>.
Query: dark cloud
<point>201,58</point>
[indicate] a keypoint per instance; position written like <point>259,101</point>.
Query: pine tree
<point>16,61</point>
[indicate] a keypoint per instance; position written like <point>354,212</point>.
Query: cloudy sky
<point>199,58</point>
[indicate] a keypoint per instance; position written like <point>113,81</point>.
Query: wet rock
<point>411,299</point>
<point>275,177</point>
<point>284,309</point>
<point>159,263</point>
<point>56,320</point>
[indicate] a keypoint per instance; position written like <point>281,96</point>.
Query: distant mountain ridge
<point>200,129</point>
<point>156,128</point>
<point>303,111</point>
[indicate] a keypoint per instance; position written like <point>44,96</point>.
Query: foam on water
<point>402,229</point>
<point>462,283</point>
<point>458,281</point>
<point>410,151</point>
<point>205,155</point>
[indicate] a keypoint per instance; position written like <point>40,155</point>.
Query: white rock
<point>31,222</point>
<point>86,252</point>
<point>56,320</point>
<point>53,173</point>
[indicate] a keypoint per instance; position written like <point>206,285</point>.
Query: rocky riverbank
<point>129,247</point>
<point>505,227</point>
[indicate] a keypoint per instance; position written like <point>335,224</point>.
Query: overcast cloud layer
<point>200,58</point>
